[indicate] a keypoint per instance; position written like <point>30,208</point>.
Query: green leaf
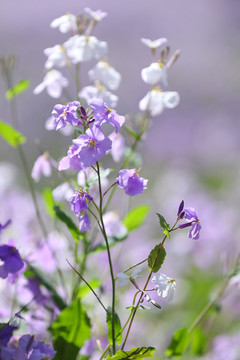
<point>198,342</point>
<point>156,258</point>
<point>135,353</point>
<point>65,350</point>
<point>83,289</point>
<point>72,325</point>
<point>75,232</point>
<point>117,327</point>
<point>47,284</point>
<point>21,86</point>
<point>10,135</point>
<point>48,201</point>
<point>135,218</point>
<point>164,225</point>
<point>179,343</point>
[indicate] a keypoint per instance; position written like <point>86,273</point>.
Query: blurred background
<point>190,152</point>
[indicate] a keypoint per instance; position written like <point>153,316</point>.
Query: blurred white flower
<point>164,285</point>
<point>154,73</point>
<point>83,48</point>
<point>53,82</point>
<point>124,278</point>
<point>156,100</point>
<point>62,192</point>
<point>65,23</point>
<point>99,91</point>
<point>42,166</point>
<point>97,15</point>
<point>113,225</point>
<point>56,56</point>
<point>154,44</point>
<point>106,74</point>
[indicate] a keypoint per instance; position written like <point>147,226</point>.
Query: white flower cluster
<point>156,99</point>
<point>80,47</point>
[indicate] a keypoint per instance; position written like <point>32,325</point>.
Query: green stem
<point>102,228</point>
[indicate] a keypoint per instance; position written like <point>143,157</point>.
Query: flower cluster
<point>79,205</point>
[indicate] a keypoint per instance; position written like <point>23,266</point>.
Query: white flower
<point>65,23</point>
<point>62,192</point>
<point>83,48</point>
<point>154,73</point>
<point>113,225</point>
<point>155,43</point>
<point>56,56</point>
<point>106,74</point>
<point>99,91</point>
<point>165,286</point>
<point>124,278</point>
<point>156,100</point>
<point>53,82</point>
<point>97,15</point>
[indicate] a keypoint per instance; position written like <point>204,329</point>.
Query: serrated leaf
<point>164,225</point>
<point>117,327</point>
<point>83,289</point>
<point>135,218</point>
<point>135,353</point>
<point>72,324</point>
<point>179,344</point>
<point>156,258</point>
<point>61,215</point>
<point>21,86</point>
<point>11,135</point>
<point>57,299</point>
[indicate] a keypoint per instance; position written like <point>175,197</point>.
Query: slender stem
<point>102,228</point>
<point>82,278</point>
<point>133,266</point>
<point>145,286</point>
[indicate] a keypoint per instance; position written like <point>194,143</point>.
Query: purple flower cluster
<point>190,215</point>
<point>63,115</point>
<point>79,205</point>
<point>25,349</point>
<point>12,262</point>
<point>131,182</point>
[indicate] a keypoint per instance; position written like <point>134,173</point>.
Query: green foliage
<point>143,307</point>
<point>11,135</point>
<point>33,271</point>
<point>164,225</point>
<point>61,215</point>
<point>131,132</point>
<point>65,350</point>
<point>21,86</point>
<point>135,353</point>
<point>198,342</point>
<point>117,327</point>
<point>83,289</point>
<point>72,325</point>
<point>48,201</point>
<point>179,344</point>
<point>156,258</point>
<point>135,218</point>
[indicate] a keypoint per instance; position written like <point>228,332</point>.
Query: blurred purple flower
<point>103,114</point>
<point>12,262</point>
<point>98,91</point>
<point>84,222</point>
<point>92,145</point>
<point>131,182</point>
<point>6,334</point>
<point>42,166</point>
<point>118,146</point>
<point>79,201</point>
<point>63,115</point>
<point>36,350</point>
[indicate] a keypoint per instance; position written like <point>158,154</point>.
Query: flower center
<point>92,142</point>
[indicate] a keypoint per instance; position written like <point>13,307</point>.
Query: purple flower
<point>103,114</point>
<point>131,182</point>
<point>42,166</point>
<point>193,221</point>
<point>79,201</point>
<point>36,350</point>
<point>91,146</point>
<point>6,334</point>
<point>12,262</point>
<point>72,160</point>
<point>84,222</point>
<point>63,115</point>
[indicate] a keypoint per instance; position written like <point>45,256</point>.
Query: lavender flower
<point>98,91</point>
<point>131,182</point>
<point>103,114</point>
<point>72,160</point>
<point>84,222</point>
<point>6,334</point>
<point>12,262</point>
<point>193,221</point>
<point>79,201</point>
<point>42,166</point>
<point>91,146</point>
<point>63,115</point>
